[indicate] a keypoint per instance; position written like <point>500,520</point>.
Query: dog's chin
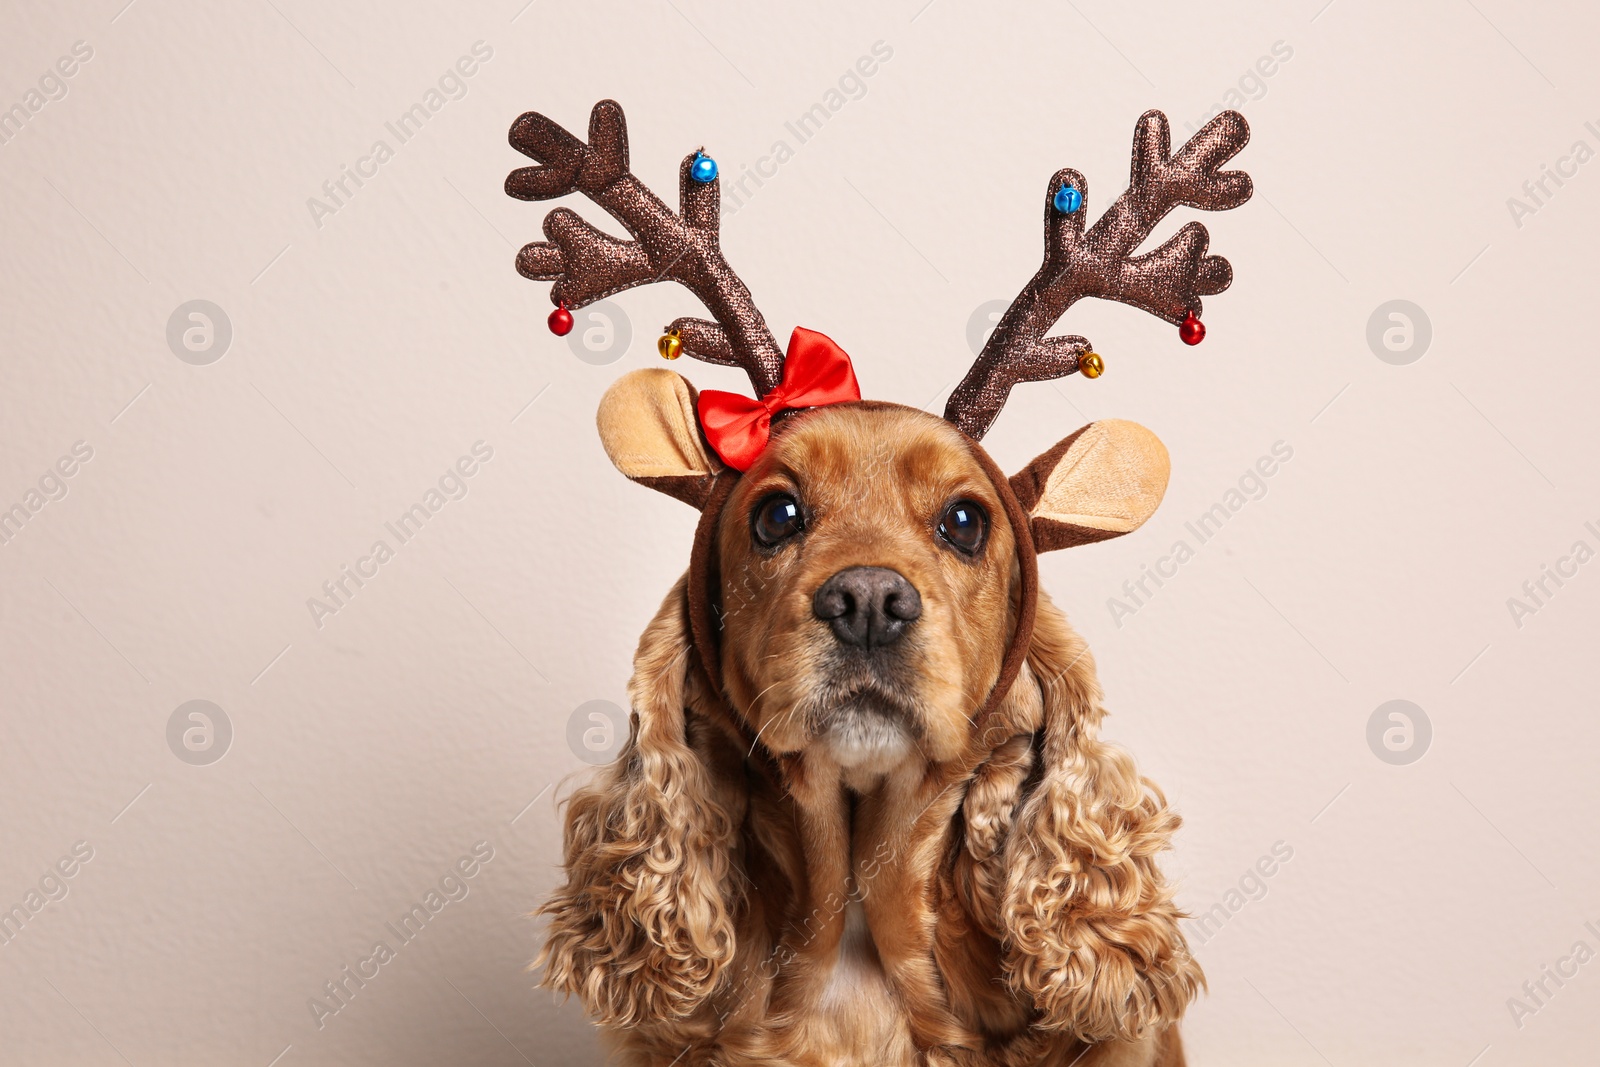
<point>866,732</point>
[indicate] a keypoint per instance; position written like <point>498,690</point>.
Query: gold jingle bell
<point>670,346</point>
<point>1090,365</point>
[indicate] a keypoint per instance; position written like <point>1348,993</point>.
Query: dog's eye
<point>777,518</point>
<point>964,525</point>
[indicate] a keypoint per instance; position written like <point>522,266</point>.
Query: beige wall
<point>375,341</point>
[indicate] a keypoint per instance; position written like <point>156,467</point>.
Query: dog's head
<point>866,570</point>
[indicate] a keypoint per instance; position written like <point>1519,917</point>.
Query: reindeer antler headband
<point>587,265</point>
<point>1095,261</point>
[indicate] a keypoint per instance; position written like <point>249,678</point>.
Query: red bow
<point>815,372</point>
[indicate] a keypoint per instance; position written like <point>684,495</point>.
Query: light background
<point>431,711</point>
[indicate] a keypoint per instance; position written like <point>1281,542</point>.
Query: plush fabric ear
<point>648,426</point>
<point>1103,481</point>
<point>644,928</point>
<point>1090,931</point>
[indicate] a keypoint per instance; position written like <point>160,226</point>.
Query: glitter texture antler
<point>588,265</point>
<point>1167,282</point>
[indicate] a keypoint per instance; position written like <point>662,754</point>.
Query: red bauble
<point>1191,331</point>
<point>561,321</point>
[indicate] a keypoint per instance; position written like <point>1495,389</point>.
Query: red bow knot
<point>816,372</point>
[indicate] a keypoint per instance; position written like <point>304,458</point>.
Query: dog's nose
<point>868,607</point>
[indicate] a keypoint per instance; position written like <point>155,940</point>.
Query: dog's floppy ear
<point>1089,927</point>
<point>1103,481</point>
<point>648,426</point>
<point>643,929</point>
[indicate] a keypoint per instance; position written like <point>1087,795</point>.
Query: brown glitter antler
<point>588,265</point>
<point>1167,282</point>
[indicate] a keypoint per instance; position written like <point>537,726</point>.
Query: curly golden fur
<point>827,861</point>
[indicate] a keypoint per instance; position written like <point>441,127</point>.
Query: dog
<point>864,815</point>
<point>828,860</point>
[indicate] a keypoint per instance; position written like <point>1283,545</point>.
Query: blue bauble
<point>1068,200</point>
<point>703,169</point>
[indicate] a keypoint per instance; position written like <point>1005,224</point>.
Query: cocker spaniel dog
<point>864,815</point>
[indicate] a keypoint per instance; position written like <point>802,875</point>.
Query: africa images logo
<point>452,887</point>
